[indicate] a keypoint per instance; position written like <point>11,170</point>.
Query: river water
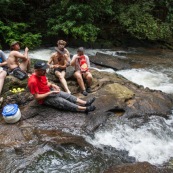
<point>153,141</point>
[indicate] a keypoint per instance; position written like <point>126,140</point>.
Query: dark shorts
<point>60,70</point>
<point>18,73</point>
<point>10,71</point>
<point>5,68</point>
<point>62,101</point>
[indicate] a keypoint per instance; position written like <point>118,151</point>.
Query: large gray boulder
<point>110,61</point>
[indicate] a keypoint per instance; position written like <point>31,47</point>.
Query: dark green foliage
<point>76,20</point>
<point>138,20</point>
<point>30,21</point>
<point>17,31</point>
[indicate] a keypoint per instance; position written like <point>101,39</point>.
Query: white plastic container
<point>11,113</point>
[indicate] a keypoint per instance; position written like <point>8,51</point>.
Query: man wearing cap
<point>17,59</point>
<point>49,94</point>
<point>80,74</point>
<point>59,62</point>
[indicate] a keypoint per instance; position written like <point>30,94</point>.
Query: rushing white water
<point>158,80</point>
<point>44,54</point>
<point>151,142</point>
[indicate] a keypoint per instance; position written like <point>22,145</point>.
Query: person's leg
<point>88,77</point>
<point>61,76</point>
<point>2,78</point>
<point>80,81</point>
<point>63,104</point>
<point>68,96</point>
<point>76,100</point>
<point>25,65</point>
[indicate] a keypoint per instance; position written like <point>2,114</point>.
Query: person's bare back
<point>17,59</point>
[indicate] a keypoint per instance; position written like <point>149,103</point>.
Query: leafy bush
<point>140,23</point>
<point>18,31</point>
<point>77,21</point>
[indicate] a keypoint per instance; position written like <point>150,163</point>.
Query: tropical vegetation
<point>41,22</point>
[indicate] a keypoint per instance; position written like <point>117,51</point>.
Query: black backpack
<point>20,74</point>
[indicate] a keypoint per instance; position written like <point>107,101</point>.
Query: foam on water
<point>152,142</point>
<point>44,54</point>
<point>104,70</point>
<point>152,79</point>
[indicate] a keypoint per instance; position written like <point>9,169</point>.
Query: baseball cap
<point>40,65</point>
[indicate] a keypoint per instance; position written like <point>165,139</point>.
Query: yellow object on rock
<point>17,90</point>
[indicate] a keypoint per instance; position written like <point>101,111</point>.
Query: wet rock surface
<point>143,167</point>
<point>40,125</point>
<point>113,62</point>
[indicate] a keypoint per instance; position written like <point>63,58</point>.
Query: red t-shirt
<point>38,85</point>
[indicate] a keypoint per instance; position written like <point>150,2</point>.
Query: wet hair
<point>61,42</point>
<point>80,49</point>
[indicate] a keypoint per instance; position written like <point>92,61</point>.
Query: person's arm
<point>68,56</point>
<point>20,55</point>
<point>26,52</point>
<point>54,87</point>
<point>3,64</point>
<point>4,58</point>
<point>49,63</point>
<point>73,61</point>
<point>41,96</point>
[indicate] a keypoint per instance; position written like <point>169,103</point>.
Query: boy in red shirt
<point>50,94</point>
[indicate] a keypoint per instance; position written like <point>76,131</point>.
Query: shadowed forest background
<point>92,23</point>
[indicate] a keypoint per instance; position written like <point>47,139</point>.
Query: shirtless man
<point>58,61</point>
<point>17,59</point>
<point>61,46</point>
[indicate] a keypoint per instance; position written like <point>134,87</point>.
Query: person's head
<point>40,68</point>
<point>15,45</point>
<point>61,44</point>
<point>80,51</point>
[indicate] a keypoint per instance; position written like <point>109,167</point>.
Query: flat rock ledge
<point>115,96</point>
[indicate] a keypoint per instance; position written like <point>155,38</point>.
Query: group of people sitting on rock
<point>18,65</point>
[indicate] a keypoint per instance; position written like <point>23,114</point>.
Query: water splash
<point>158,80</point>
<point>151,142</point>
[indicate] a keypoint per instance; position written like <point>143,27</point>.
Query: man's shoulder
<point>54,54</point>
<point>13,53</point>
<point>66,50</point>
<point>32,79</point>
<point>75,55</point>
<point>86,56</point>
